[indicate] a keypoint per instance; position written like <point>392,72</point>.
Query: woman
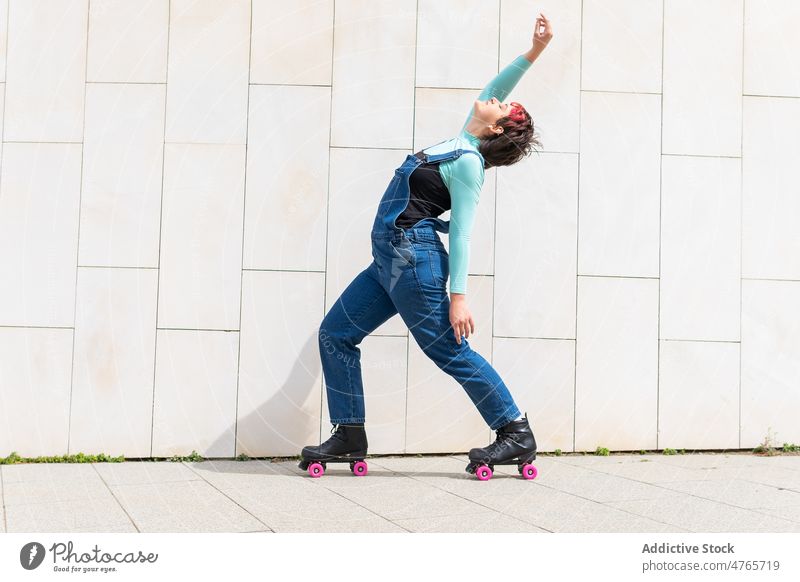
<point>410,270</point>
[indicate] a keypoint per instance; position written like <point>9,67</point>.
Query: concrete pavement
<point>733,492</point>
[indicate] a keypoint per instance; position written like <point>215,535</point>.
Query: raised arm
<point>505,81</point>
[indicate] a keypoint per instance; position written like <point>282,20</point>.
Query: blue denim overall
<point>407,276</point>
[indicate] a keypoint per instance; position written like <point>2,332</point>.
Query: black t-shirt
<point>428,195</point>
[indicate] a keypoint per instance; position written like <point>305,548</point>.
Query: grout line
<point>367,508</point>
<point>617,276</point>
<point>244,222</point>
<point>494,218</point>
<point>108,487</point>
<point>116,267</point>
<point>452,493</point>
<point>78,243</point>
<point>577,242</point>
<point>295,471</point>
<point>207,482</point>
<point>660,242</point>
<point>741,218</point>
<point>322,383</point>
<point>5,84</point>
<point>413,138</point>
<point>665,488</point>
<point>160,228</point>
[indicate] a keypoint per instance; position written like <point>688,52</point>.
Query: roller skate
<point>347,445</point>
<point>514,445</point>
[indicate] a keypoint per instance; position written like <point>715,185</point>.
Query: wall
<point>187,187</point>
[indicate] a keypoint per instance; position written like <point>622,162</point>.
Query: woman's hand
<point>460,317</point>
<point>542,33</point>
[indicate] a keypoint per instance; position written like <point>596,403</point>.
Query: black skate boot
<point>515,445</point>
<point>348,443</point>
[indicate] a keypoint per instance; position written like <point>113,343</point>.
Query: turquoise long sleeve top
<point>464,175</point>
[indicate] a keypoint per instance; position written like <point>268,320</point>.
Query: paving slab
<point>703,515</point>
<point>739,493</point>
<point>289,501</point>
<point>644,470</point>
<point>792,513</point>
<point>144,472</point>
<point>183,506</point>
<point>481,522</point>
<point>46,483</point>
<point>557,511</point>
<point>102,515</point>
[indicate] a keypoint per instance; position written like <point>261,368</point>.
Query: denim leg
<point>423,303</point>
<point>362,307</point>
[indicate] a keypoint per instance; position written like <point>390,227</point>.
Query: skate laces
<point>503,438</point>
<point>338,434</point>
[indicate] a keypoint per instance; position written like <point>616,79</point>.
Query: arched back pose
<point>410,270</point>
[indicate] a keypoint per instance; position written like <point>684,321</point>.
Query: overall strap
<point>430,158</point>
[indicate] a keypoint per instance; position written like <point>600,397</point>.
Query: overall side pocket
<point>440,267</point>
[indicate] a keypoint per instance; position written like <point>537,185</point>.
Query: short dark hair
<point>509,147</point>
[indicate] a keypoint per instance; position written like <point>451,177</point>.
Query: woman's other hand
<point>542,33</point>
<point>460,317</point>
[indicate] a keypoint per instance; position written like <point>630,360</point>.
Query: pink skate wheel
<point>315,470</point>
<point>529,471</point>
<point>359,468</point>
<point>484,473</point>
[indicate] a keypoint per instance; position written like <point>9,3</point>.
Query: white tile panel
<point>457,42</point>
<point>39,198</point>
<point>541,376</point>
<point>702,83</point>
<point>112,378</point>
<point>195,393</point>
<point>770,45</point>
<point>280,375</point>
<point>34,391</point>
<point>292,44</point>
<point>698,395</point>
<point>770,186</point>
<point>122,173</point>
<point>700,248</point>
<point>536,255</point>
<point>287,186</point>
<point>770,362</point>
<point>619,184</point>
<point>621,48</point>
<point>201,236</point>
<point>45,71</point>
<point>617,363</point>
<point>209,48</point>
<point>373,73</point>
<point>128,41</point>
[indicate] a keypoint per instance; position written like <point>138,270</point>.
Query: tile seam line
<point>664,488</point>
<point>244,236</point>
<point>297,473</point>
<point>221,492</point>
<point>119,503</point>
<point>462,497</point>
<point>78,241</point>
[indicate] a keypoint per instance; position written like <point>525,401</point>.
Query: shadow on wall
<point>282,424</point>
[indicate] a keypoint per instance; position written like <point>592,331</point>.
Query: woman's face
<point>490,111</point>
